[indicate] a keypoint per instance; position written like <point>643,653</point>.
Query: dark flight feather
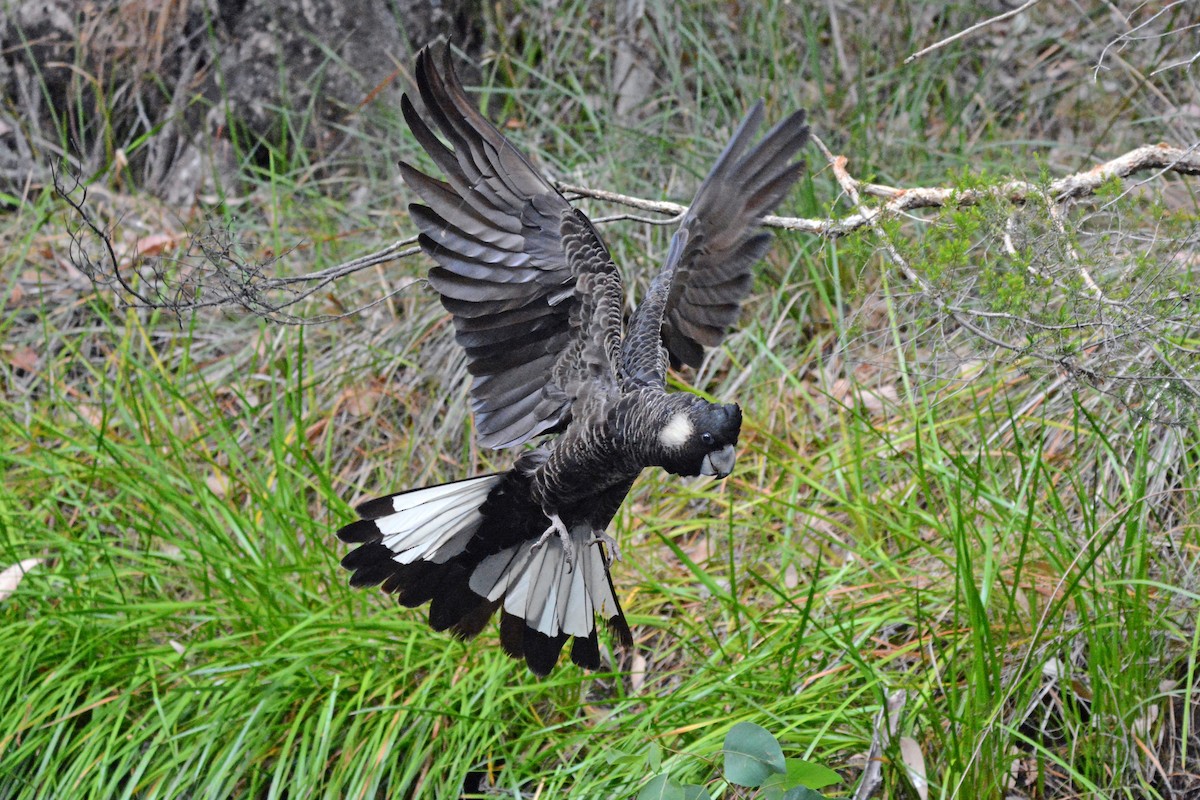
<point>726,241</point>
<point>537,305</point>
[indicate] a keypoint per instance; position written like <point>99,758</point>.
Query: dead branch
<point>887,722</point>
<point>1161,157</point>
<point>838,165</point>
<point>217,277</point>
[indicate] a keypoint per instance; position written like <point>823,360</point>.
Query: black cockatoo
<point>537,306</point>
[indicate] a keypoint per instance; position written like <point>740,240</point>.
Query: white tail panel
<point>435,523</point>
<point>538,587</point>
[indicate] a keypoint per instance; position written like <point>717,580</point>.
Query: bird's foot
<point>557,528</point>
<point>612,551</point>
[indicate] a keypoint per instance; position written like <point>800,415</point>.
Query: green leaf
<point>752,755</point>
<point>787,787</point>
<point>810,774</point>
<point>654,757</point>
<point>661,787</point>
<point>693,791</point>
<point>613,757</point>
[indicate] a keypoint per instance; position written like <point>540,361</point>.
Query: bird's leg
<point>612,552</point>
<point>558,528</point>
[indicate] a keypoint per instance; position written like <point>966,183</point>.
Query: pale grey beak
<point>719,463</point>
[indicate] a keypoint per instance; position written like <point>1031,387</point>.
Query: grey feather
<point>726,240</point>
<point>510,250</point>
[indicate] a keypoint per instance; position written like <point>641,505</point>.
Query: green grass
<point>1019,557</point>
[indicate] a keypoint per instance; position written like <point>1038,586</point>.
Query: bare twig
<point>78,255</point>
<point>1056,216</point>
<point>227,279</point>
<point>1137,33</point>
<point>838,165</point>
<point>968,31</point>
<point>887,720</point>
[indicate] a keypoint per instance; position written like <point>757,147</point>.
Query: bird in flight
<point>537,305</point>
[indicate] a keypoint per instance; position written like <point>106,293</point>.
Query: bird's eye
<point>707,438</point>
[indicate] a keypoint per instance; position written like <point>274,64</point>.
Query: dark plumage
<point>537,306</point>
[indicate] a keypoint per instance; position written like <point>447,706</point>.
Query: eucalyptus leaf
<point>752,754</point>
<point>661,787</point>
<point>807,773</point>
<point>654,757</point>
<point>614,757</point>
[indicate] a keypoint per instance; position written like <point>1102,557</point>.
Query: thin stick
<point>969,31</point>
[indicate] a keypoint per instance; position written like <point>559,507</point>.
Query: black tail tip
<point>362,531</point>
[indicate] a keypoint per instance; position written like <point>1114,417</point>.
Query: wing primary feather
<point>776,148</point>
<point>441,155</point>
<point>643,362</point>
<point>741,137</point>
<point>744,184</point>
<point>494,228</point>
<point>510,252</point>
<point>499,265</point>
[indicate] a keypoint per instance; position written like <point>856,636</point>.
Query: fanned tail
<point>466,549</point>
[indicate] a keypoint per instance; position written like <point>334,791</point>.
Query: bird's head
<point>698,437</point>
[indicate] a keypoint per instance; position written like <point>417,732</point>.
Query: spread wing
<point>724,239</point>
<point>535,297</point>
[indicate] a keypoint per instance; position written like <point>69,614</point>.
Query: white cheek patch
<point>677,431</point>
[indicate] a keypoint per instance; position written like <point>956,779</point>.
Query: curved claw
<point>612,551</point>
<point>559,529</point>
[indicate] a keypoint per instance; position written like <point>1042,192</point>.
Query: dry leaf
<point>1144,724</point>
<point>1023,773</point>
<point>91,414</point>
<point>791,577</point>
<point>11,578</point>
<point>361,402</point>
<point>840,390</point>
<point>1055,669</point>
<point>697,549</point>
<point>155,244</point>
<point>24,358</point>
<point>878,401</point>
<point>972,368</point>
<point>637,672</point>
<point>914,763</point>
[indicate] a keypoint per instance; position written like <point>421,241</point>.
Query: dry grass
<point>1019,556</point>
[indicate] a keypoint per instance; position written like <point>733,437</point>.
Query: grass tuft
<point>1019,557</point>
